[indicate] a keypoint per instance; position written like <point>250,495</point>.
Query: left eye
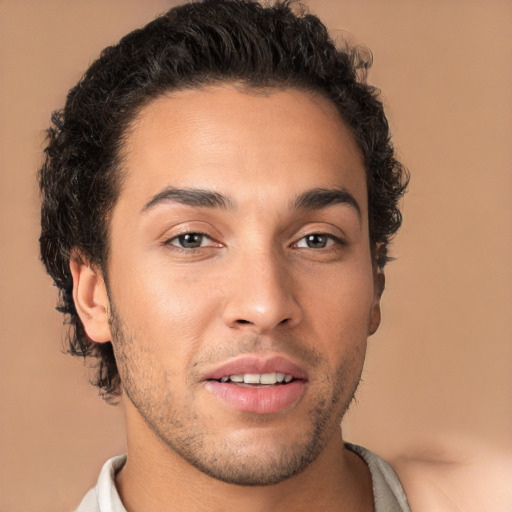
<point>316,241</point>
<point>190,241</point>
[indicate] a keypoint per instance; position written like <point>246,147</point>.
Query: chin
<point>259,470</point>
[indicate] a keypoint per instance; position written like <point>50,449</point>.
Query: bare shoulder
<point>462,477</point>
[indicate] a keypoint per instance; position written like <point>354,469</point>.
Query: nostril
<point>246,322</point>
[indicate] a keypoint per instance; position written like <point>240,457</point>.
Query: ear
<point>91,299</point>
<point>379,281</point>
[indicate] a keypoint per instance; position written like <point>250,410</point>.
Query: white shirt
<point>387,490</point>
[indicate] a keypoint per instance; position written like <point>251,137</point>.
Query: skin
<point>459,474</point>
<point>255,286</point>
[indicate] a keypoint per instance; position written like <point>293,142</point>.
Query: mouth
<point>258,379</point>
<point>258,385</point>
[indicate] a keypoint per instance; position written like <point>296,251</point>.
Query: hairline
<point>240,85</point>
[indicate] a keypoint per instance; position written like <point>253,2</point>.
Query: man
<point>219,193</point>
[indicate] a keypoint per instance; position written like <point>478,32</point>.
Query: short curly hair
<point>193,45</point>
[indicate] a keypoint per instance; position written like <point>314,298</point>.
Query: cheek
<point>166,309</point>
<point>340,307</point>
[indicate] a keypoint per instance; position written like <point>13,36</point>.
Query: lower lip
<point>262,400</point>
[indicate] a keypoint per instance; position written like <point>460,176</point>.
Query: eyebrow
<point>314,199</point>
<point>319,198</point>
<point>190,197</point>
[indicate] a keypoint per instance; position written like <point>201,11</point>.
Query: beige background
<point>438,380</point>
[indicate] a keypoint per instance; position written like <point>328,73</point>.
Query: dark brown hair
<point>193,45</point>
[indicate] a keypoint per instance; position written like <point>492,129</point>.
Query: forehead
<point>242,143</point>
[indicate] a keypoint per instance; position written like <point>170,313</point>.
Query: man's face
<point>240,252</point>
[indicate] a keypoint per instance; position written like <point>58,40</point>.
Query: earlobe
<point>91,299</point>
<point>379,281</point>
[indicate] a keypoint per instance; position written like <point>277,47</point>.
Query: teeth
<point>268,378</point>
<point>259,378</point>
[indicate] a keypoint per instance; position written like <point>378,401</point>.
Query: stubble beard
<point>180,429</point>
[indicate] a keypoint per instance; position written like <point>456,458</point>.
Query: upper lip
<point>256,364</point>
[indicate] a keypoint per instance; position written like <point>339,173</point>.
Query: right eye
<point>190,241</point>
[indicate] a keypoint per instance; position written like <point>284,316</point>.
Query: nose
<point>261,295</point>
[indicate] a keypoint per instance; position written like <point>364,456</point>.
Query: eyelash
<point>336,241</point>
<point>169,241</point>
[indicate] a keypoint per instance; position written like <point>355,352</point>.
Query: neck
<point>158,479</point>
